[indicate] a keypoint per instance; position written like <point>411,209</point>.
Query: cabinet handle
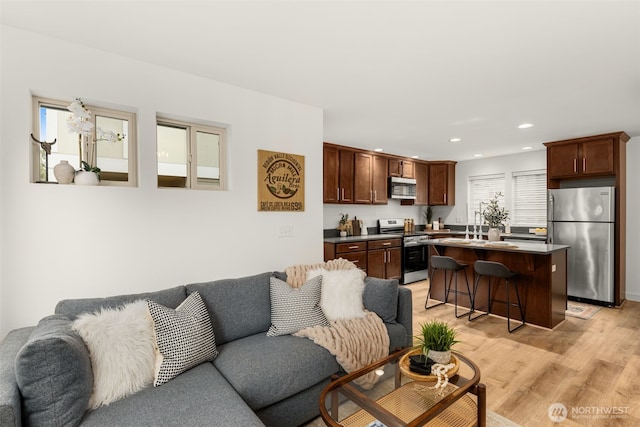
<point>386,243</point>
<point>445,198</point>
<point>338,193</point>
<point>384,258</point>
<point>575,165</point>
<point>354,247</point>
<point>584,164</point>
<point>355,261</point>
<point>375,195</point>
<point>343,194</point>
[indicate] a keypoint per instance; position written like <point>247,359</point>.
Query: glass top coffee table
<point>406,398</point>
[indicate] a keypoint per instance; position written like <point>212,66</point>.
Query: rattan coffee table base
<point>407,405</point>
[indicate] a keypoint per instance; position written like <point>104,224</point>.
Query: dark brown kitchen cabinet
<point>338,174</point>
<point>442,183</point>
<point>356,252</point>
<point>370,179</point>
<point>591,157</point>
<point>401,167</point>
<point>384,258</point>
<point>422,183</point>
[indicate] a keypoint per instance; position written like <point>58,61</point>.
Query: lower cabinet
<point>384,258</point>
<point>356,252</point>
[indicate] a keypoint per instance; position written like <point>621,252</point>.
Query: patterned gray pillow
<point>184,336</point>
<point>294,309</point>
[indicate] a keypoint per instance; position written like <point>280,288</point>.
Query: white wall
<point>68,242</point>
<point>633,219</point>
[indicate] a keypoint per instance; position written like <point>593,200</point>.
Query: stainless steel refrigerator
<point>584,218</point>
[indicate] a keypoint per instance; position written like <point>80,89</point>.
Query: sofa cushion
<point>184,337</point>
<point>53,372</point>
<point>398,336</point>
<point>341,292</point>
<point>237,307</point>
<point>381,297</point>
<point>71,308</point>
<point>121,344</point>
<point>198,397</point>
<point>10,401</point>
<point>265,370</point>
<point>293,309</point>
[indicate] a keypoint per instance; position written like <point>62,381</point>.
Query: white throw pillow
<point>121,346</point>
<point>341,292</point>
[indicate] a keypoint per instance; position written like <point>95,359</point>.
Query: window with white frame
<point>116,158</point>
<point>529,207</point>
<point>481,189</point>
<point>190,155</point>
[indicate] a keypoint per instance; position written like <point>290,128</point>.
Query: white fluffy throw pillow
<point>121,345</point>
<point>341,292</point>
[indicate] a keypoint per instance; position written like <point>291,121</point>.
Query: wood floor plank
<point>581,364</point>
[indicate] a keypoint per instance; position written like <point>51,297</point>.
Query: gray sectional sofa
<point>254,380</point>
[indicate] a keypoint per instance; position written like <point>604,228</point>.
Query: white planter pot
<point>494,234</point>
<point>86,178</point>
<point>443,357</point>
<point>64,172</point>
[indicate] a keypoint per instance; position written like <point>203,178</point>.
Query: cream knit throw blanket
<point>355,342</point>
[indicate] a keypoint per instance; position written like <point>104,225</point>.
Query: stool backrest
<point>444,262</point>
<point>492,268</point>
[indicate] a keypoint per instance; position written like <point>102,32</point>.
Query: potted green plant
<point>343,224</point>
<point>428,215</point>
<point>494,215</point>
<point>436,339</point>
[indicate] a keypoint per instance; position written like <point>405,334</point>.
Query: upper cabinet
<point>401,167</point>
<point>442,183</point>
<point>338,172</point>
<point>370,179</point>
<point>592,156</point>
<point>421,171</point>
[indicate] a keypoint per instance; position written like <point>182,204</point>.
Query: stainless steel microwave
<point>402,188</point>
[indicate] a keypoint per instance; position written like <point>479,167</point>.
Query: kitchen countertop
<point>523,236</point>
<point>531,248</point>
<point>362,238</point>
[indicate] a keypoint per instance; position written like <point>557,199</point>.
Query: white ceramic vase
<point>343,233</point>
<point>86,178</point>
<point>494,234</point>
<point>64,172</point>
<point>443,357</point>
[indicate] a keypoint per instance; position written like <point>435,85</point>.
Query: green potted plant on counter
<point>495,216</point>
<point>428,216</point>
<point>343,224</point>
<point>436,339</point>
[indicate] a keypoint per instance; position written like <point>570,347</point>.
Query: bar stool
<point>447,263</point>
<point>499,271</point>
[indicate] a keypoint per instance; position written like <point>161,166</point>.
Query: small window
<point>114,156</point>
<point>481,189</point>
<point>190,155</point>
<point>529,198</point>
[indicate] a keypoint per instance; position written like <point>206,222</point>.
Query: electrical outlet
<point>458,220</point>
<point>285,231</point>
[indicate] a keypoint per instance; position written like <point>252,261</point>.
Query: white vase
<point>86,178</point>
<point>64,172</point>
<point>343,233</point>
<point>443,357</point>
<point>494,234</point>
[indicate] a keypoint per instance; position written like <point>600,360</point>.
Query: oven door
<point>416,263</point>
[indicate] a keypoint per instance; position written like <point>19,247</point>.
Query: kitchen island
<point>542,282</point>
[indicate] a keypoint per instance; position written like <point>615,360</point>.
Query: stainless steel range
<point>415,252</point>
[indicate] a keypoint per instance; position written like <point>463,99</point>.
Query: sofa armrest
<point>10,404</point>
<point>405,312</point>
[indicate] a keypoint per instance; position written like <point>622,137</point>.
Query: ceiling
<point>402,76</point>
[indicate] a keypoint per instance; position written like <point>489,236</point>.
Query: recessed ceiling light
<point>477,155</point>
<point>378,150</point>
<point>527,148</point>
<point>415,157</point>
<point>525,125</point>
<point>455,139</point>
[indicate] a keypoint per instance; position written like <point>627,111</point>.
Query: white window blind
<point>529,208</point>
<point>483,188</point>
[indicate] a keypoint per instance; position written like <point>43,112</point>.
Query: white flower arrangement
<point>494,215</point>
<point>80,122</point>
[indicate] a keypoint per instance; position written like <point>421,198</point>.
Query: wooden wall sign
<point>280,181</point>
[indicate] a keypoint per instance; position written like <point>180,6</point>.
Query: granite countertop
<point>532,248</point>
<point>362,238</point>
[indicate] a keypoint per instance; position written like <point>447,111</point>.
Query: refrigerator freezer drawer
<point>589,259</point>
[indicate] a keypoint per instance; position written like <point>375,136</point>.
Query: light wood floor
<point>586,365</point>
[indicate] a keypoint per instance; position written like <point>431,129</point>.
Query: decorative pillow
<point>341,292</point>
<point>53,373</point>
<point>121,344</point>
<point>184,337</point>
<point>381,297</point>
<point>293,309</point>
